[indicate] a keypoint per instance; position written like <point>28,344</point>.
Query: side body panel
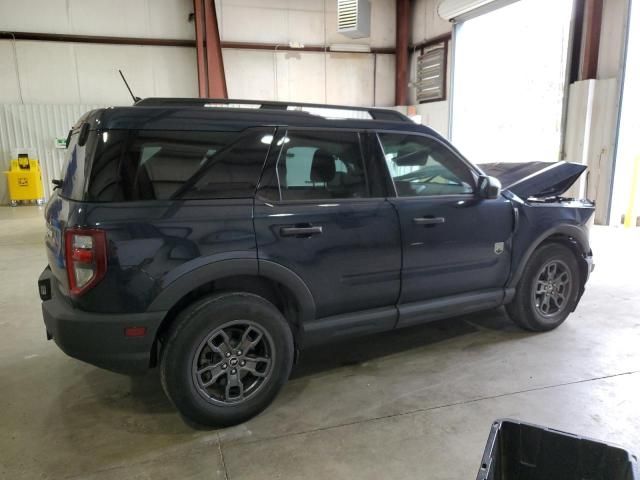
<point>469,251</point>
<point>352,261</point>
<point>151,245</point>
<point>354,264</point>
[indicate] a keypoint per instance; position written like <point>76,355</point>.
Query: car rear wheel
<point>225,358</point>
<point>548,289</point>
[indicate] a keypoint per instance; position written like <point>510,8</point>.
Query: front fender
<point>578,233</point>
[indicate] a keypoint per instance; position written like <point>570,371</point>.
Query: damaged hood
<point>535,179</point>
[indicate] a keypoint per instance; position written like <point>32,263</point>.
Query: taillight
<point>86,257</point>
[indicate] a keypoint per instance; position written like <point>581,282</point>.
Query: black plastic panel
<point>521,451</point>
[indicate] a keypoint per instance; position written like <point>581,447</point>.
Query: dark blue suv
<point>217,238</point>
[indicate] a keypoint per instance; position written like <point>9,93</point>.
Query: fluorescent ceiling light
<point>347,47</point>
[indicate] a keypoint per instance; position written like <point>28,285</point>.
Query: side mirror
<point>489,187</point>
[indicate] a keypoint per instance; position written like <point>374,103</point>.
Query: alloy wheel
<point>552,288</point>
<point>233,362</point>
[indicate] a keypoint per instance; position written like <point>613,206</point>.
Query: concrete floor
<point>411,404</point>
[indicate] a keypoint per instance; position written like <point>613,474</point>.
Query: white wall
<point>590,140</point>
<point>88,73</point>
<point>612,39</point>
<point>300,76</point>
<point>427,24</point>
<point>123,18</point>
<point>67,73</point>
<point>76,73</point>
<point>311,22</point>
<point>259,21</point>
<point>606,107</point>
<point>305,76</point>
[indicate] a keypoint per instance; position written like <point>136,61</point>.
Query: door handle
<point>428,220</point>
<point>305,231</point>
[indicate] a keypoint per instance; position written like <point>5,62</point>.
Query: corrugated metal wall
<point>34,128</point>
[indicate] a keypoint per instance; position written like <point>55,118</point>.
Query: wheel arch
<point>576,238</point>
<point>274,282</point>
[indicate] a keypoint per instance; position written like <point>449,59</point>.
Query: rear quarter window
<point>76,165</point>
<point>163,165</point>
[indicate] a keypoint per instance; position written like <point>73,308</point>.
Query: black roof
<point>197,114</point>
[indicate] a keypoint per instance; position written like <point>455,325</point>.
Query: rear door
<point>453,241</point>
<point>322,213</point>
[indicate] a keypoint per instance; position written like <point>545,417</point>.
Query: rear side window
<point>164,165</point>
<point>321,165</point>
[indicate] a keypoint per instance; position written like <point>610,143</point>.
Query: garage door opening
<point>626,186</point>
<point>509,82</point>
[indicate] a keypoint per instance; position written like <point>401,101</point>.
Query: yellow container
<point>25,180</point>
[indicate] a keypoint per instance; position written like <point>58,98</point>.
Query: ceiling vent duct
<point>354,18</point>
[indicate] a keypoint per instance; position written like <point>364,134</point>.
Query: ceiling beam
<point>201,50</point>
<point>63,37</point>
<point>169,42</point>
<point>217,84</point>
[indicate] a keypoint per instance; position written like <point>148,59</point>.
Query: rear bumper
<point>97,338</point>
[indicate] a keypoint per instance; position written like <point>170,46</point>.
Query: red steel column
<point>217,84</point>
<point>402,50</point>
<point>591,44</point>
<point>203,86</point>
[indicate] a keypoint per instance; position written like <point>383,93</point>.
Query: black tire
<point>202,333</point>
<point>527,308</point>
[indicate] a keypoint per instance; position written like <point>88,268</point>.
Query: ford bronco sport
<point>216,242</point>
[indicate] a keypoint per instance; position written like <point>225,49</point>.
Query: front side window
<point>421,166</point>
<point>321,165</point>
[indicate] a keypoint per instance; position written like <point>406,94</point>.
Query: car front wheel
<point>226,358</point>
<point>548,289</point>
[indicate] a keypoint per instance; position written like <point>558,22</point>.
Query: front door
<point>318,213</point>
<point>453,241</point>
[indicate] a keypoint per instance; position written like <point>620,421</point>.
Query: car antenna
<point>135,99</point>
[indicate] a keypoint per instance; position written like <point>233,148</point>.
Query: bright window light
<point>628,143</point>
<point>509,80</point>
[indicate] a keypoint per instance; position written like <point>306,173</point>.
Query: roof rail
<point>374,113</point>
